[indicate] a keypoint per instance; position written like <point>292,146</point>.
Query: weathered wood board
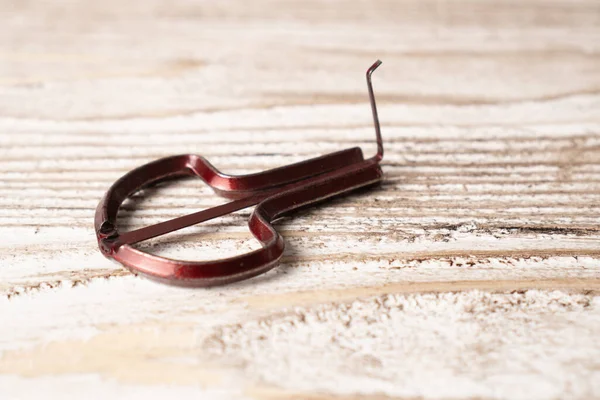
<point>472,272</point>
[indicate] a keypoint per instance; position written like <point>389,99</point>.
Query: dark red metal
<point>275,193</point>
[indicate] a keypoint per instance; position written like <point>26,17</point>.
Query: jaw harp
<point>275,192</point>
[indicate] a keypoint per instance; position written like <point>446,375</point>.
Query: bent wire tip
<point>379,155</point>
<point>373,67</point>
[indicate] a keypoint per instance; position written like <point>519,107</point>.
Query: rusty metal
<point>275,193</point>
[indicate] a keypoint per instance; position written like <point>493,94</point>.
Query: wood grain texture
<point>472,272</point>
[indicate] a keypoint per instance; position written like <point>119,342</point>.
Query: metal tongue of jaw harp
<point>275,193</point>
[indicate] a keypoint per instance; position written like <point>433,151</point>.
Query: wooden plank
<point>472,272</point>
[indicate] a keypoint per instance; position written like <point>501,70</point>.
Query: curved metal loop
<point>118,246</point>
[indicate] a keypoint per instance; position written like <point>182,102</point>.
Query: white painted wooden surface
<point>473,272</point>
